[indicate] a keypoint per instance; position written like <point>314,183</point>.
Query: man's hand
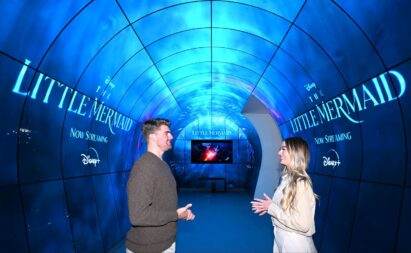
<point>184,213</point>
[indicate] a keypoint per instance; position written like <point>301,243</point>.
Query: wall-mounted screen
<point>211,151</point>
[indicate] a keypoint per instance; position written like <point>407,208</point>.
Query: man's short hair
<point>151,125</point>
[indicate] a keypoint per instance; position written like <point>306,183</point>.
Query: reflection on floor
<point>224,223</point>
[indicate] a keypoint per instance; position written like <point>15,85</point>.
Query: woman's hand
<point>260,206</point>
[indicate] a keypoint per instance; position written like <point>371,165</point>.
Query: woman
<point>293,206</point>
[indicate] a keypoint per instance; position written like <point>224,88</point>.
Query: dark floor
<point>224,223</point>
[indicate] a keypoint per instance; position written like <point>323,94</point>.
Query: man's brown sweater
<point>152,204</point>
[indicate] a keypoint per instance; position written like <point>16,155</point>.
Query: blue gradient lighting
<point>78,79</point>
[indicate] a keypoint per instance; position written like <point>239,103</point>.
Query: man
<point>152,195</point>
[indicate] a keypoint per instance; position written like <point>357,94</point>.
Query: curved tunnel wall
<point>270,170</point>
<point>78,78</point>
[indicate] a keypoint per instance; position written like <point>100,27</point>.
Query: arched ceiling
<point>184,59</point>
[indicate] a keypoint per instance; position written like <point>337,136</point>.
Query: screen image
<point>211,151</point>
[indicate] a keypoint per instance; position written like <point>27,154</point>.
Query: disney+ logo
<point>333,159</point>
<point>88,159</point>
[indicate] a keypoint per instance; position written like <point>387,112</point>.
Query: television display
<point>211,151</point>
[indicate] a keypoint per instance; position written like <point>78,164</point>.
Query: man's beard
<point>169,146</point>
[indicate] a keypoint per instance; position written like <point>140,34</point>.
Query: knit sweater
<point>300,219</point>
<point>152,204</point>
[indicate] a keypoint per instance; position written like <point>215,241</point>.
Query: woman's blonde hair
<point>296,171</point>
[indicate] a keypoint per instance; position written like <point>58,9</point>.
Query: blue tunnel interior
<point>78,79</point>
